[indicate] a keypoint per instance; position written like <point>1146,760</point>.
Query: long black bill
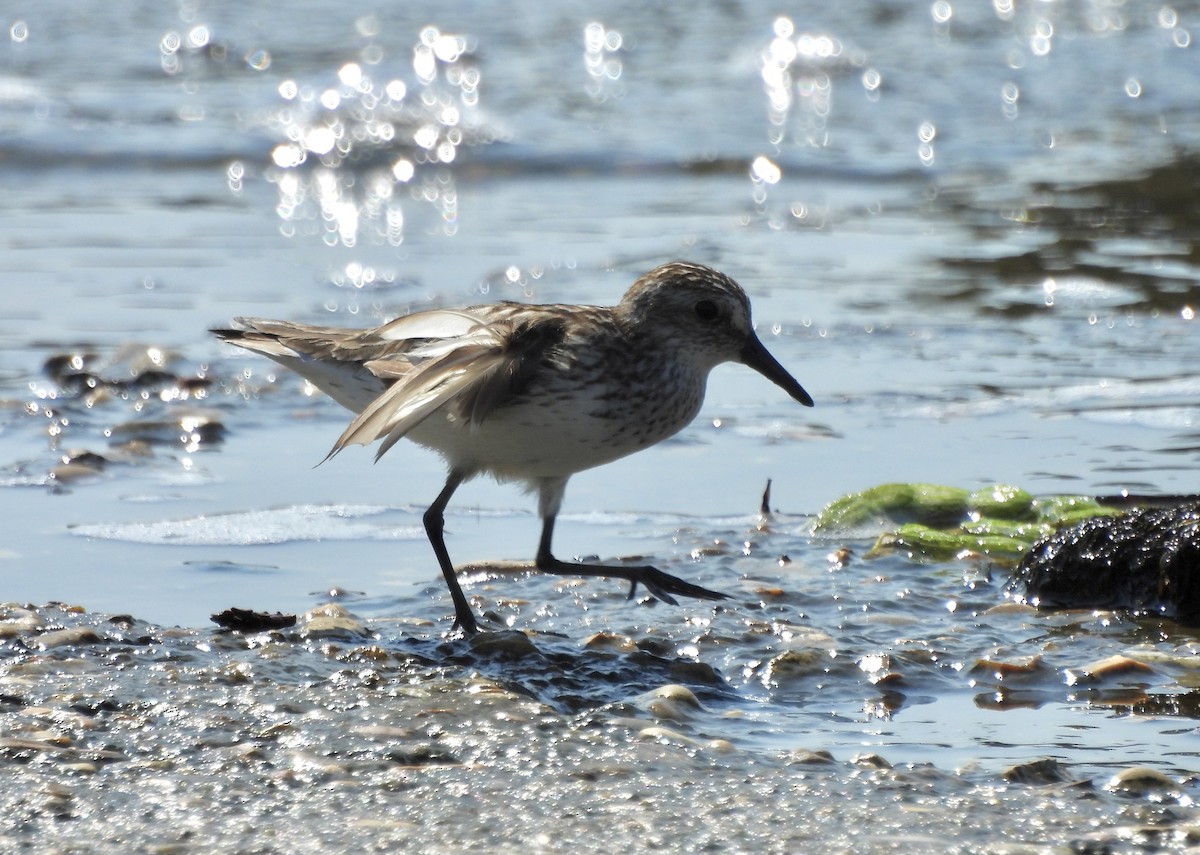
<point>758,358</point>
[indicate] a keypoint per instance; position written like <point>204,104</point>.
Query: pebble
<point>508,643</point>
<point>1113,666</point>
<point>880,669</point>
<point>672,702</point>
<point>804,757</point>
<point>332,620</point>
<point>15,746</point>
<point>795,664</point>
<point>383,731</point>
<point>69,636</point>
<point>999,669</point>
<point>656,733</point>
<point>70,473</point>
<point>770,593</point>
<point>657,645</point>
<point>610,641</point>
<point>1011,608</point>
<point>695,672</point>
<point>1045,771</point>
<point>16,621</point>
<point>1142,781</point>
<point>78,767</point>
<point>804,636</point>
<point>240,753</point>
<point>871,761</point>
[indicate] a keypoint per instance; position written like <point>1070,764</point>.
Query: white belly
<point>556,433</point>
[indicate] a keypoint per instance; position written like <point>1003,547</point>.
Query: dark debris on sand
<point>245,620</point>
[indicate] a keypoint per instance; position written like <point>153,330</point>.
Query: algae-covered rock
<point>940,523</point>
<point>944,545</point>
<point>1069,510</point>
<point>1002,502</point>
<point>930,504</point>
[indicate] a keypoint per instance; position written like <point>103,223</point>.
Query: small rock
<point>804,757</point>
<point>610,641</point>
<point>240,753</point>
<point>695,672</point>
<point>19,748</point>
<point>245,620</point>
<point>384,731</point>
<point>423,754</point>
<point>1011,608</point>
<point>332,619</point>
<point>78,767</point>
<point>999,669</point>
<point>69,473</point>
<point>15,620</point>
<point>66,637</point>
<point>657,645</point>
<point>770,593</point>
<point>1113,666</point>
<point>1141,781</point>
<point>672,702</point>
<point>794,664</point>
<point>680,695</point>
<point>1046,771</point>
<point>873,761</point>
<point>664,734</point>
<point>508,643</point>
<point>840,557</point>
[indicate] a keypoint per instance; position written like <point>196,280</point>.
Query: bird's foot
<point>662,585</point>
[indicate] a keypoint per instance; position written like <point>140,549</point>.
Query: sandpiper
<point>532,393</point>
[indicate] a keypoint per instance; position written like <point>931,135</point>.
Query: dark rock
<point>245,620</point>
<point>1147,560</point>
<point>1046,771</point>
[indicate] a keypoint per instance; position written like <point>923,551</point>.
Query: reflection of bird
<point>532,393</point>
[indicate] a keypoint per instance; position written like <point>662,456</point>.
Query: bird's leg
<point>659,584</point>
<point>434,525</point>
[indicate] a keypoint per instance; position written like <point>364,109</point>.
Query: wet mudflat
<point>760,725</point>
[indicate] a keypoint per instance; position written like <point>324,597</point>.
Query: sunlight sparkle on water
<point>333,131</point>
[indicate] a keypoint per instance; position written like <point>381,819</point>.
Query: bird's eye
<point>706,310</point>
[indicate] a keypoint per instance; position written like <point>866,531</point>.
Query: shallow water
<point>969,231</point>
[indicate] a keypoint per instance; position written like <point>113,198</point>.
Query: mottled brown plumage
<point>532,393</point>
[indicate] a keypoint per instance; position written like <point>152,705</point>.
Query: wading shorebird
<point>532,393</point>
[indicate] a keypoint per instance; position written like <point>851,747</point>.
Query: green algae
<point>939,523</point>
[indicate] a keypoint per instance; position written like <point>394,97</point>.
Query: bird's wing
<point>417,395</point>
<point>431,324</point>
<point>284,338</point>
<point>478,371</point>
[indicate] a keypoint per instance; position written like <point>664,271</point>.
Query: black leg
<point>659,584</point>
<point>434,525</point>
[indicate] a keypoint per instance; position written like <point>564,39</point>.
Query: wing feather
<point>477,372</point>
<point>434,323</point>
<point>420,393</point>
